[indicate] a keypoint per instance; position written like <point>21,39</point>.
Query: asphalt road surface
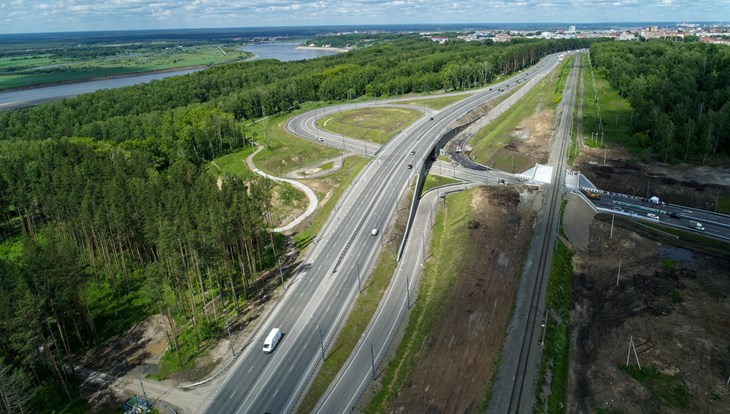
<point>320,293</point>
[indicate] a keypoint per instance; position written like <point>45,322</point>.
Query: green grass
<point>233,164</point>
<point>371,124</point>
<point>363,310</point>
<point>435,103</point>
<point>438,275</point>
<point>11,249</point>
<point>488,141</point>
<point>723,204</point>
<point>510,161</point>
<point>614,116</point>
<point>433,181</point>
<point>170,362</point>
<point>284,152</point>
<point>555,356</point>
<point>666,390</point>
<point>114,310</point>
<point>30,71</point>
<point>342,178</point>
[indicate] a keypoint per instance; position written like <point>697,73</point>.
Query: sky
<point>30,16</point>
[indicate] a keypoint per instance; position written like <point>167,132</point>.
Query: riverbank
<point>328,49</point>
<point>106,77</point>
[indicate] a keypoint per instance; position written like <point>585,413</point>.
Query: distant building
<point>502,37</point>
<point>439,39</point>
<point>571,29</point>
<point>626,36</point>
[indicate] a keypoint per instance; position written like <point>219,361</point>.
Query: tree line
<point>679,94</point>
<point>117,217</point>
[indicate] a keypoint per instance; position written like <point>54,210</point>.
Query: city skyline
<point>36,16</point>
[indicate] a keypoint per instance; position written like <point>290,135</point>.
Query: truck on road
<point>590,194</point>
<point>695,225</point>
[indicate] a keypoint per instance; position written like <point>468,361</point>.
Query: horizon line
<point>375,25</point>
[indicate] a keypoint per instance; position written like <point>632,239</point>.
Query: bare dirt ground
<point>532,136</point>
<point>459,356</point>
<point>692,186</point>
<point>687,338</point>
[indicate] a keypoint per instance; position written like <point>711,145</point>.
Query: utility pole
<point>632,346</point>
<point>141,384</point>
<point>618,276</point>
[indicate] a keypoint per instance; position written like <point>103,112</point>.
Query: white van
<point>272,340</point>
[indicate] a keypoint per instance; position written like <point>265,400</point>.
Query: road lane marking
<point>234,393</point>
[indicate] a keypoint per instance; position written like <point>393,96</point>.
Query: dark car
<point>410,166</point>
<point>413,152</point>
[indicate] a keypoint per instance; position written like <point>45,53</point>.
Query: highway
<point>318,296</point>
<point>714,224</point>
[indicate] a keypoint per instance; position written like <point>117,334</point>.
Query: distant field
<point>29,70</point>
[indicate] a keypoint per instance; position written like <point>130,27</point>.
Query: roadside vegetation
<point>370,124</point>
<point>283,151</point>
<point>489,142</point>
<point>433,181</point>
<point>554,359</point>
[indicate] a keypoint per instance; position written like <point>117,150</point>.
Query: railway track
<point>544,261</point>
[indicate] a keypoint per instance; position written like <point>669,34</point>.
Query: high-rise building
<point>571,29</point>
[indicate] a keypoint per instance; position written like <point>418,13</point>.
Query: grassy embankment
<point>488,144</point>
<point>554,359</point>
<point>439,272</point>
<point>433,181</point>
<point>40,69</point>
<point>284,152</point>
<point>371,124</point>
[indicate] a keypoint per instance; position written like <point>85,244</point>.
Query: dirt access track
<point>673,301</point>
<point>457,359</point>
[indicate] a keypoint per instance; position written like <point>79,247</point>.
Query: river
<point>284,51</point>
<point>27,97</point>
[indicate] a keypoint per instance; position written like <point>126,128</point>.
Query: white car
<point>374,232</point>
<point>652,216</point>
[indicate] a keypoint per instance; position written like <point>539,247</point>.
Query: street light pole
<point>321,342</point>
